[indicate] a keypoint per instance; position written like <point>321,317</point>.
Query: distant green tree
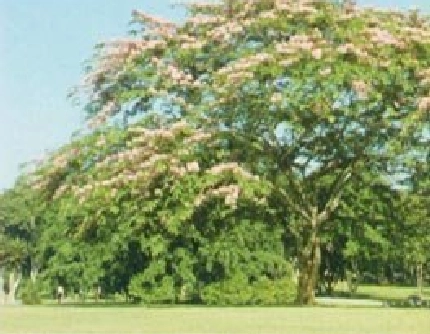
<point>19,220</point>
<point>415,232</point>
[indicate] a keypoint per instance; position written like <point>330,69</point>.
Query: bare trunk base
<point>309,267</point>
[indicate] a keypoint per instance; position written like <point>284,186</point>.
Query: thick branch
<point>295,206</point>
<point>335,193</point>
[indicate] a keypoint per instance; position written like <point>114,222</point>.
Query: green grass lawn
<point>189,320</point>
<point>385,292</point>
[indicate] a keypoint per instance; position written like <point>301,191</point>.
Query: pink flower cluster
<point>296,6</point>
<point>151,20</point>
<point>112,184</point>
<point>229,192</point>
<point>424,75</point>
<point>114,56</point>
<point>246,63</point>
<point>241,69</point>
<point>146,133</point>
<point>225,32</point>
<point>139,173</point>
<point>39,183</point>
<point>53,164</point>
<point>298,44</point>
<point>326,71</point>
<point>350,48</point>
<point>142,151</point>
<point>175,74</point>
<point>424,104</point>
<point>190,42</point>
<point>165,133</point>
<point>180,171</point>
<point>420,35</point>
<point>192,46</point>
<point>179,126</point>
<point>232,167</point>
<point>123,168</point>
<point>202,19</point>
<point>185,38</point>
<point>238,77</point>
<point>361,88</point>
<point>142,160</point>
<point>109,109</point>
<point>276,98</point>
<point>295,43</point>
<point>61,191</point>
<point>384,37</point>
<point>198,137</point>
<point>199,5</point>
<point>61,160</point>
<point>248,22</point>
<point>134,154</point>
<point>193,167</point>
<point>268,14</point>
<point>155,26</point>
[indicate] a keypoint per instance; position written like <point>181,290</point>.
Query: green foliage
<point>30,292</point>
<point>239,291</point>
<point>233,291</point>
<point>144,289</point>
<point>274,292</point>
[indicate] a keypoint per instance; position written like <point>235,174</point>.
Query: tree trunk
<point>34,271</point>
<point>2,287</point>
<point>309,263</point>
<point>14,280</point>
<point>420,279</point>
<point>330,284</point>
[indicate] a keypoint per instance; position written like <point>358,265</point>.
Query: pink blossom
<point>193,166</point>
<point>317,53</point>
<point>202,5</point>
<point>325,71</point>
<point>60,191</point>
<point>201,19</point>
<point>276,98</point>
<point>231,167</point>
<point>197,137</point>
<point>178,171</point>
<point>361,88</point>
<point>225,32</point>
<point>424,103</point>
<point>152,20</point>
<point>383,37</point>
<point>270,14</point>
<point>230,194</point>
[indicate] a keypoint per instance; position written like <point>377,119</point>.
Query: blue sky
<point>43,44</point>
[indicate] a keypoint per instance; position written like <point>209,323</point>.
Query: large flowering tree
<point>306,94</point>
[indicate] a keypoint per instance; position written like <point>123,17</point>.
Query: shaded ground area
<point>379,292</point>
<point>372,295</point>
<point>333,301</point>
<point>191,320</point>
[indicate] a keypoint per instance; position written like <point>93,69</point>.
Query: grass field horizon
<point>107,316</point>
<point>190,320</point>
